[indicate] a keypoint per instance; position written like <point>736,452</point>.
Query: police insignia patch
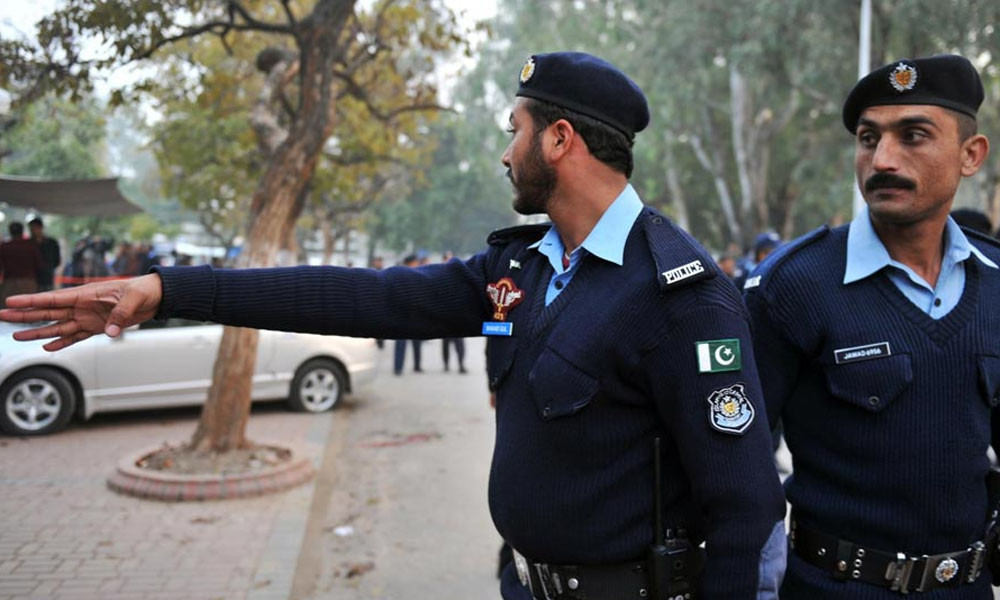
<point>903,77</point>
<point>528,70</point>
<point>504,295</point>
<point>729,410</point>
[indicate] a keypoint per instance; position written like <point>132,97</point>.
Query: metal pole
<point>864,67</point>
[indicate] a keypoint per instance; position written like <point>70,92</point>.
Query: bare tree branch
<point>368,52</point>
<point>352,88</point>
<point>252,21</point>
<point>285,4</point>
<point>347,160</point>
<point>220,28</point>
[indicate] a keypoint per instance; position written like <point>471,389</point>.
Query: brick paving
<point>63,534</point>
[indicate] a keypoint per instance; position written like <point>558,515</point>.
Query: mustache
<point>888,180</point>
<point>509,175</point>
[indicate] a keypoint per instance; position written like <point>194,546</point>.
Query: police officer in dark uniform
<point>877,348</point>
<point>619,355</point>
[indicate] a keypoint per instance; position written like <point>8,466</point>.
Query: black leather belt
<point>897,571</point>
<point>625,581</point>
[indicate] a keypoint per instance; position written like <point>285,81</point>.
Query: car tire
<point>318,386</point>
<point>36,401</point>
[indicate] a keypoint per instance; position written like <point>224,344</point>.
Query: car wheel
<point>36,401</point>
<point>318,386</point>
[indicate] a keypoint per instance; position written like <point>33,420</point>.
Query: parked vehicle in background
<point>163,364</point>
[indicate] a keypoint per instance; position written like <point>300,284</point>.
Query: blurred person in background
<point>399,350</point>
<point>51,256</point>
<point>727,263</point>
<point>457,342</point>
<point>20,262</point>
<point>973,219</point>
<point>764,244</point>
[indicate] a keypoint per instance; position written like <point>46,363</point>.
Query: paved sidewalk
<point>63,534</point>
<point>402,512</point>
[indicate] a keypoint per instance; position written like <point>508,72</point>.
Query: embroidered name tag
<point>498,328</point>
<point>857,353</point>
<point>683,272</point>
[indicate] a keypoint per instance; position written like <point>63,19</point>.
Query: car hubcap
<point>319,390</point>
<point>33,404</point>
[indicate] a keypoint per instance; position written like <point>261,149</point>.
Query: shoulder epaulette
<point>509,234</point>
<point>781,254</point>
<point>680,261</point>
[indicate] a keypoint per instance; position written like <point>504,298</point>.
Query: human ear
<point>974,152</point>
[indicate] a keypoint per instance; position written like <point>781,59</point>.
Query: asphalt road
<point>400,506</point>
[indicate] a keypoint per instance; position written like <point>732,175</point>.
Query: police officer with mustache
<point>877,349</point>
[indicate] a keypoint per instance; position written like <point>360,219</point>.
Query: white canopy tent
<point>74,198</point>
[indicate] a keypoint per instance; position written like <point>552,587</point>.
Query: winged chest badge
<point>504,295</point>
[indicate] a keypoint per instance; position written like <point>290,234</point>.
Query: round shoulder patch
<point>528,69</point>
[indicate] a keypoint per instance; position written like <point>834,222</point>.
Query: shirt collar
<point>866,254</point>
<point>959,247</point>
<point>607,239</point>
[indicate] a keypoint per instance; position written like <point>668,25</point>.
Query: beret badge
<point>528,69</point>
<point>903,77</point>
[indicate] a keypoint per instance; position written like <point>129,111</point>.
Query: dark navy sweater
<point>583,387</point>
<point>889,451</point>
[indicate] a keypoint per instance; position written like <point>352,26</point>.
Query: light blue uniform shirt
<point>606,241</point>
<point>867,255</point>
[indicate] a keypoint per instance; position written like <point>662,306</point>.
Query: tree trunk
<point>739,103</point>
<point>721,187</point>
<point>277,198</point>
<point>676,190</point>
<point>329,238</point>
<point>224,417</point>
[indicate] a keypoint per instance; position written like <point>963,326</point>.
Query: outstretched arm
<point>80,312</point>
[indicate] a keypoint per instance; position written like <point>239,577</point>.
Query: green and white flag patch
<point>718,356</point>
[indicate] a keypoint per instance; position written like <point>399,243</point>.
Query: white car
<point>159,364</point>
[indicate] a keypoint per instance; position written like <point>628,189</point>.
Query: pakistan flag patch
<point>717,356</point>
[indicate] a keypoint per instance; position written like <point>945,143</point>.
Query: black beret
<point>946,80</point>
<point>588,85</point>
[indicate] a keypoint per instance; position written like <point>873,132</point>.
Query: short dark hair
<point>36,221</point>
<point>16,229</point>
<point>967,126</point>
<point>606,143</point>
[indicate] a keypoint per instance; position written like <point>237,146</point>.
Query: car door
<point>157,364</point>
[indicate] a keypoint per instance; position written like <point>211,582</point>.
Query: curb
<point>130,480</point>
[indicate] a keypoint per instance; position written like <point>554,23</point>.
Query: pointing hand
<point>80,312</point>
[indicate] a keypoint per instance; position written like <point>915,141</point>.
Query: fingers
<point>64,342</point>
<point>61,330</point>
<point>34,315</point>
<point>123,314</point>
<point>57,299</point>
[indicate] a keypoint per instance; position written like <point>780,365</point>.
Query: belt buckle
<point>549,581</point>
<point>978,551</point>
<point>523,575</point>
